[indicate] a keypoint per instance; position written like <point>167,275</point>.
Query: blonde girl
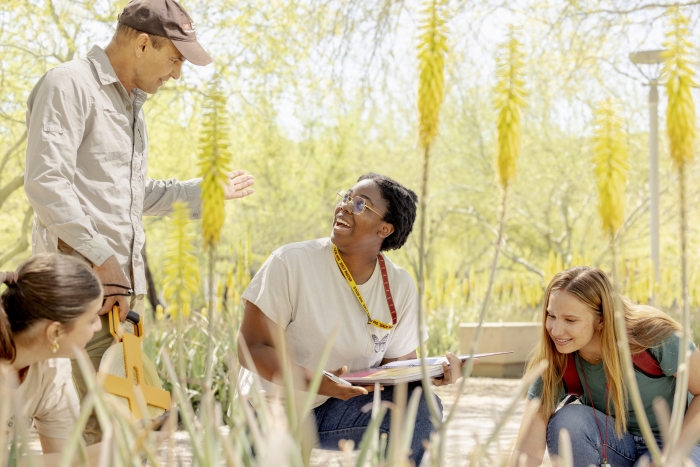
<point>577,319</point>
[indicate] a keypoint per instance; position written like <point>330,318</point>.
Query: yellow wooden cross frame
<point>133,362</point>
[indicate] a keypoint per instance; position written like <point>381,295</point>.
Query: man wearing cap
<point>87,156</point>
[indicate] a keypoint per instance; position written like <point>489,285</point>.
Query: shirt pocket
<point>110,138</point>
<point>53,128</point>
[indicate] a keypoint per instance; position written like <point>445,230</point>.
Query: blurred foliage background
<point>321,91</point>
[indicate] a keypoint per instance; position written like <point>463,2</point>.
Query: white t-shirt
<point>302,290</point>
<point>46,398</point>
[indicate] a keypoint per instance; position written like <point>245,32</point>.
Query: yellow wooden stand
<point>133,363</point>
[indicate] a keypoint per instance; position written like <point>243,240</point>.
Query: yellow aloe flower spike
<point>510,99</point>
<point>214,163</point>
<point>610,159</point>
<point>679,77</point>
<point>431,63</point>
<point>180,264</point>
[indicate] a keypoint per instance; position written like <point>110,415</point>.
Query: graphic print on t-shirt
<point>378,341</point>
<point>380,345</point>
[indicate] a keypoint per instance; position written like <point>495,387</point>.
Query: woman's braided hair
<point>401,209</point>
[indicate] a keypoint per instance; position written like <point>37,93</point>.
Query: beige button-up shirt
<point>87,157</point>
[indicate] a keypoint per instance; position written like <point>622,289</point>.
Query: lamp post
<point>653,59</point>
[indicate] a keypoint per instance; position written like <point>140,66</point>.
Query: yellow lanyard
<point>353,286</point>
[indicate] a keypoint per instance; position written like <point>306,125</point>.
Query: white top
<point>302,290</point>
<point>46,398</point>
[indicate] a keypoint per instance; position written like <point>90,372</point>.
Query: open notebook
<point>404,371</point>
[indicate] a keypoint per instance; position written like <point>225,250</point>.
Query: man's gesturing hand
<point>110,272</point>
<point>238,185</point>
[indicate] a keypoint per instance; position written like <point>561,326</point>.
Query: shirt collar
<point>102,65</point>
<point>105,71</point>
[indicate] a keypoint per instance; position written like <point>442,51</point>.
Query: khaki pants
<point>97,346</point>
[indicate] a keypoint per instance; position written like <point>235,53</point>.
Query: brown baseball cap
<point>166,18</point>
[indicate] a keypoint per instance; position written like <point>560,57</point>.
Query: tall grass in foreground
<point>223,430</point>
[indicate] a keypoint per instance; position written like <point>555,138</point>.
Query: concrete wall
<point>521,338</point>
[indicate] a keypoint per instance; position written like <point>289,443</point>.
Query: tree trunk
<point>23,242</point>
<point>11,186</point>
<point>151,293</point>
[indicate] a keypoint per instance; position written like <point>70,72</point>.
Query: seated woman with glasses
<point>306,290</point>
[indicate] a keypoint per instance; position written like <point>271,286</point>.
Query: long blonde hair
<point>646,328</point>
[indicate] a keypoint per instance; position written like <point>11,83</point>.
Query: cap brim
<point>193,52</point>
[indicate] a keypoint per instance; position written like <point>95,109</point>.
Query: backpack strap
<point>572,382</point>
<point>647,364</point>
<point>644,362</point>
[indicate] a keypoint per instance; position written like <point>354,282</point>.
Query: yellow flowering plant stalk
<point>679,77</point>
<point>610,154</point>
<point>610,161</point>
<point>214,163</point>
<point>181,273</point>
<point>432,49</point>
<point>509,101</point>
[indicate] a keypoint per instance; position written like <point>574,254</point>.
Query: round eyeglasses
<point>358,203</point>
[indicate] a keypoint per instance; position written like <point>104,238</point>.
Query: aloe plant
<point>214,162</point>
<point>610,160</point>
<point>432,49</point>
<point>679,76</point>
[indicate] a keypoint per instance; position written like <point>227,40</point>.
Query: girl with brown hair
<point>578,328</point>
<point>48,310</point>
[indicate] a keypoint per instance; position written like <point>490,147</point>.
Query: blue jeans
<point>586,443</point>
<point>337,419</point>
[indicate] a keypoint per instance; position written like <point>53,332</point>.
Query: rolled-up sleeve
<point>56,116</point>
<point>161,194</point>
<point>58,407</point>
